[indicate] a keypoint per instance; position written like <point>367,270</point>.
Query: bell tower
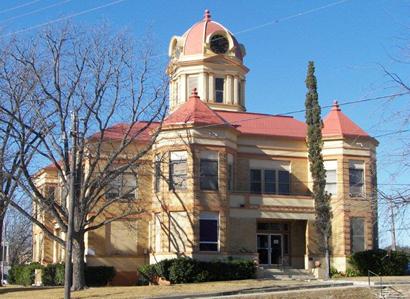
<point>209,58</point>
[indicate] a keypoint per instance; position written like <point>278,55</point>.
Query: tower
<point>209,58</point>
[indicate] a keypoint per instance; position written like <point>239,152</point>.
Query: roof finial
<point>207,15</point>
<point>335,106</point>
<point>194,93</point>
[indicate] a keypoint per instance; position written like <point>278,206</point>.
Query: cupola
<point>209,58</point>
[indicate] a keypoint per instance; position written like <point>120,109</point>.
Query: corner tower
<point>209,58</point>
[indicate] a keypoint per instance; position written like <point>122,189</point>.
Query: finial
<point>336,105</point>
<point>194,93</point>
<point>207,15</point>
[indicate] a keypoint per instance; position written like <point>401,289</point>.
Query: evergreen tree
<point>314,142</point>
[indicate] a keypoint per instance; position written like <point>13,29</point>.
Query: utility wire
<point>18,6</point>
<point>299,14</point>
<point>83,12</point>
<point>35,11</point>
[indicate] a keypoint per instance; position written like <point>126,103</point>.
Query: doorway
<point>270,249</point>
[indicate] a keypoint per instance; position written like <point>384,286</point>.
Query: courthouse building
<point>223,182</point>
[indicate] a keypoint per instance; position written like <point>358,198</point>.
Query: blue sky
<point>348,41</point>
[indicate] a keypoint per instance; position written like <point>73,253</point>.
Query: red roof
<point>198,35</point>
<point>141,130</point>
<point>336,123</point>
<point>194,111</point>
<point>265,124</point>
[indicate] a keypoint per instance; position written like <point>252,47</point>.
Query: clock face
<point>219,44</point>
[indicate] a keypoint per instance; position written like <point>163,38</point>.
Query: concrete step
<point>387,292</point>
<point>284,274</point>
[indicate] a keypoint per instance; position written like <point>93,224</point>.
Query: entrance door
<point>269,249</point>
<point>276,249</point>
<point>263,249</point>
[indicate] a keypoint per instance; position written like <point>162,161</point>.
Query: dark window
<point>356,181</point>
<point>230,177</point>
<point>208,234</point>
<point>177,174</point>
<point>123,186</point>
<point>269,182</point>
<point>157,182</point>
<point>285,244</point>
<point>219,90</point>
<point>208,174</point>
<point>284,182</point>
<point>219,44</point>
<point>256,181</point>
<point>357,234</point>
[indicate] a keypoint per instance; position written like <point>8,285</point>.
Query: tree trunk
<point>327,257</point>
<point>78,262</point>
<point>1,244</point>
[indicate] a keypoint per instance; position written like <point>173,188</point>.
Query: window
<point>356,178</point>
<point>123,237</point>
<point>179,232</point>
<point>219,90</point>
<point>192,83</point>
<point>158,232</point>
<point>157,174</point>
<point>175,91</point>
<point>122,186</point>
<point>357,238</point>
<point>270,181</point>
<point>177,170</point>
<point>331,176</point>
<point>256,181</point>
<point>208,231</point>
<point>230,172</point>
<point>208,169</point>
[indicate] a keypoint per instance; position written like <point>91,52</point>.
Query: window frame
<point>202,176</point>
<point>263,183</point>
<point>219,91</point>
<point>171,174</point>
<point>353,237</point>
<point>361,185</point>
<point>121,195</point>
<point>157,175</point>
<point>209,216</point>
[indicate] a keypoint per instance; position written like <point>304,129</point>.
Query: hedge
<point>53,274</point>
<point>23,274</point>
<point>380,262</point>
<point>187,270</point>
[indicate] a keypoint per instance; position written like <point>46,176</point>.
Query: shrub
<point>99,275</point>
<point>186,270</point>
<point>148,272</point>
<point>183,270</point>
<point>379,262</point>
<point>23,274</point>
<point>53,275</point>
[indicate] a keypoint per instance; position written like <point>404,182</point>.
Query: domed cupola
<point>209,58</point>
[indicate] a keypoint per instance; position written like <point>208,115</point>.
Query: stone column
<point>183,91</point>
<point>205,90</point>
<point>235,90</point>
<point>211,88</point>
<point>228,90</point>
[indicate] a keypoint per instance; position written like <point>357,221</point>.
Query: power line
<point>18,6</point>
<point>299,14</point>
<point>35,11</point>
<point>83,12</point>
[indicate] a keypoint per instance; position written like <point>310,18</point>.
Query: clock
<point>219,44</point>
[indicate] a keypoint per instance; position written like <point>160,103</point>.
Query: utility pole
<point>71,201</point>
<point>393,226</point>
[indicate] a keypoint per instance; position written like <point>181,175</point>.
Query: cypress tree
<point>317,169</point>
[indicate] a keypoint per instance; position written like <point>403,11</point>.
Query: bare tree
<point>18,237</point>
<point>113,85</point>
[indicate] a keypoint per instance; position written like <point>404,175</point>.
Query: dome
<point>207,37</point>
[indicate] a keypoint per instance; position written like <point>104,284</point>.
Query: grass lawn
<point>163,291</point>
